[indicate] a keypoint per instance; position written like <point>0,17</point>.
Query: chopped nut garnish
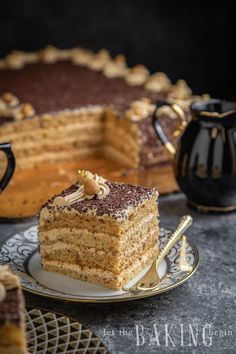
<point>27,110</point>
<point>81,178</point>
<point>23,111</point>
<point>81,56</point>
<point>116,67</point>
<point>137,75</point>
<point>167,111</point>
<point>91,187</point>
<point>104,54</point>
<point>158,82</point>
<point>120,59</point>
<point>99,60</point>
<point>140,109</point>
<point>17,59</point>
<point>180,91</point>
<point>10,107</point>
<point>10,99</point>
<point>48,54</point>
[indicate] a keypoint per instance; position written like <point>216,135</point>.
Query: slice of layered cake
<point>12,326</point>
<point>100,232</point>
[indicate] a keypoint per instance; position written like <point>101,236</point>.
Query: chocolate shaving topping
<point>64,85</point>
<point>116,204</point>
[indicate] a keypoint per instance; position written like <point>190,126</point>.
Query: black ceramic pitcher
<point>6,148</point>
<point>205,158</point>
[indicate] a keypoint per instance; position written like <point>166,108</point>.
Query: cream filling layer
<point>73,123</point>
<point>55,131</point>
<point>121,156</point>
<point>55,156</point>
<point>54,234</point>
<point>114,133</point>
<point>55,145</point>
<point>46,249</point>
<point>104,274</point>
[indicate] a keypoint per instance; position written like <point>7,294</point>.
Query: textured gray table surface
<point>197,317</point>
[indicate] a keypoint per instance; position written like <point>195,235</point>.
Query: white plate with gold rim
<point>21,252</point>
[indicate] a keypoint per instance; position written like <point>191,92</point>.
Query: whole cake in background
<point>60,105</point>
<point>12,307</point>
<point>101,232</point>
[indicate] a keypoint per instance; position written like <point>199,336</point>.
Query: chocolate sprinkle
<point>64,85</point>
<point>116,204</point>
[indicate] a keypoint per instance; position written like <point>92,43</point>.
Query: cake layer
<point>102,257</point>
<point>89,257</point>
<point>117,127</point>
<point>78,137</point>
<point>92,123</point>
<point>83,240</point>
<point>74,132</point>
<point>100,240</point>
<point>98,276</point>
<point>54,146</point>
<point>122,158</point>
<point>81,132</point>
<point>32,161</point>
<point>126,205</point>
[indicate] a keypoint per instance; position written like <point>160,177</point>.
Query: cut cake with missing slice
<point>100,232</point>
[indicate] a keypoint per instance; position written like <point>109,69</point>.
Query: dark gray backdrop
<point>194,40</point>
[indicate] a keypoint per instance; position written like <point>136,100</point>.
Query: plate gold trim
<point>133,296</point>
<point>17,250</point>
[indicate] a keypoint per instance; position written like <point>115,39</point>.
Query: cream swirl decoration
<point>140,109</point>
<point>8,281</point>
<point>180,91</point>
<point>10,107</point>
<point>158,82</point>
<point>90,186</point>
<point>137,75</point>
<point>49,54</point>
<point>116,67</point>
<point>99,60</point>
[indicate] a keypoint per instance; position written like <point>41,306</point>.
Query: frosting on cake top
<point>117,204</point>
<point>90,185</point>
<point>90,78</point>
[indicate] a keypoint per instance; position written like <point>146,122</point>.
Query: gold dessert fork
<point>151,280</point>
<point>183,264</point>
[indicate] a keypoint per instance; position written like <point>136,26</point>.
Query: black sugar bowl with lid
<point>205,157</point>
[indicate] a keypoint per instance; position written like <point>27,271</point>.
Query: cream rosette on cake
<point>90,185</point>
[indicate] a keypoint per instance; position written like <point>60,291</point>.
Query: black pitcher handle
<point>158,128</point>
<point>11,164</point>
